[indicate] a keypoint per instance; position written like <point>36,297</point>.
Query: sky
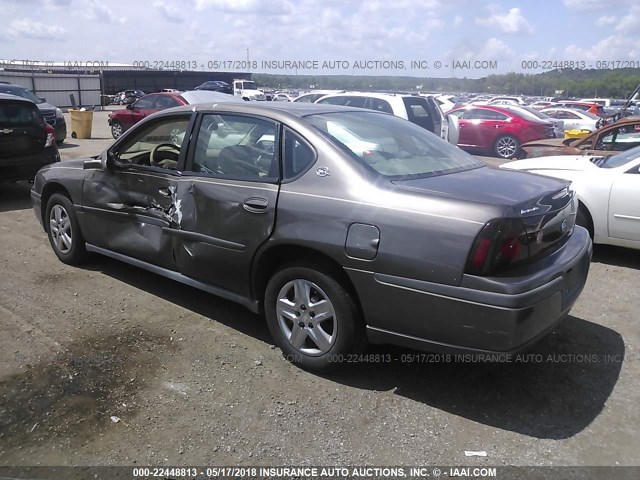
<point>428,38</point>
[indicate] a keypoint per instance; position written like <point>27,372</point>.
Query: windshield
<point>20,92</point>
<point>249,86</point>
<point>620,159</point>
<point>391,146</point>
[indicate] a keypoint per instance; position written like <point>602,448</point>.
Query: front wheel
<point>583,219</point>
<point>506,146</point>
<point>63,230</point>
<point>116,129</point>
<point>312,318</point>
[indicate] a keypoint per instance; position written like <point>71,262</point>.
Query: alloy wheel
<point>306,317</point>
<point>60,227</point>
<point>506,147</point>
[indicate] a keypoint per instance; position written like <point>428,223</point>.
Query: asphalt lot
<point>195,380</point>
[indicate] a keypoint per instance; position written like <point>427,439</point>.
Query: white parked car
<point>281,97</point>
<point>314,95</point>
<point>573,119</point>
<point>506,100</point>
<point>608,190</point>
<point>421,110</point>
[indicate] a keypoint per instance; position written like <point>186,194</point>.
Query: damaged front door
<point>130,207</point>
<point>229,192</point>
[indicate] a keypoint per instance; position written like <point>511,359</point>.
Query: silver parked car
<point>341,225</point>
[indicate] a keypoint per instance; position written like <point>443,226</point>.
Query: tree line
<point>616,83</point>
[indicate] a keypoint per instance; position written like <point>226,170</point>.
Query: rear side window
<point>298,155</point>
<point>19,115</point>
<point>332,100</point>
<point>166,101</point>
<point>379,105</point>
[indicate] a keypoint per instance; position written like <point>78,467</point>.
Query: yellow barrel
<point>81,123</point>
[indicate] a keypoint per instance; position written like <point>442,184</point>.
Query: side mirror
<point>93,164</point>
<point>130,106</point>
<point>43,99</point>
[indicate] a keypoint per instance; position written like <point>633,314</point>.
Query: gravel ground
<point>110,365</point>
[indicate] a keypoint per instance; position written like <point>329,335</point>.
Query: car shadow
<point>190,298</point>
<point>15,196</point>
<point>619,256</point>
<point>553,391</point>
<point>67,145</point>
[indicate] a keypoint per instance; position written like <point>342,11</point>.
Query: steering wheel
<point>155,149</point>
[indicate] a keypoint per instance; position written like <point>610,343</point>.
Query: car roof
<point>257,108</point>
<point>7,96</point>
<point>372,94</point>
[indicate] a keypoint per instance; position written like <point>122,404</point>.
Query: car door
<point>139,109</point>
<point>129,207</point>
<point>475,129</point>
<point>624,205</point>
<point>229,193</point>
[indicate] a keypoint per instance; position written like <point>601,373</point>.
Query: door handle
<point>255,205</point>
<point>164,191</point>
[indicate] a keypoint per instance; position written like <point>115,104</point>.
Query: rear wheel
<point>506,146</point>
<point>312,318</point>
<point>63,230</point>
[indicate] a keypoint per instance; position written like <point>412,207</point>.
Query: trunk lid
<point>545,206</point>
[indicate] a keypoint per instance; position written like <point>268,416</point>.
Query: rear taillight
<point>501,245</point>
<point>51,136</point>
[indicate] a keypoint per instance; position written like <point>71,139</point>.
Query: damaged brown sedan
<point>340,225</point>
<point>606,141</point>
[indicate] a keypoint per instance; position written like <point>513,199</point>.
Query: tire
<point>292,318</point>
<point>506,146</point>
<point>583,219</point>
<point>116,129</point>
<point>63,230</point>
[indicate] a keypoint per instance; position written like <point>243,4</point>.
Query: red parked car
<point>497,130</point>
<point>121,120</point>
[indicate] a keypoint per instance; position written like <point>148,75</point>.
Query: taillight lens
<point>501,245</point>
<point>51,135</point>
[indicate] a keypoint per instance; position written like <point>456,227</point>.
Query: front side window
<point>391,146</point>
<point>145,103</point>
<point>237,147</point>
<point>158,144</point>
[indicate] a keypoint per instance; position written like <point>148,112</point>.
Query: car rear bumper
<point>25,167</point>
<point>493,315</point>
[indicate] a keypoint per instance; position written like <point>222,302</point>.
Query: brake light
<point>502,244</point>
<point>51,136</point>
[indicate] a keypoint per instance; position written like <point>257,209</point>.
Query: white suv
<point>421,110</point>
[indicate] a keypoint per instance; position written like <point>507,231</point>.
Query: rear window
<point>391,146</point>
<point>19,115</point>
